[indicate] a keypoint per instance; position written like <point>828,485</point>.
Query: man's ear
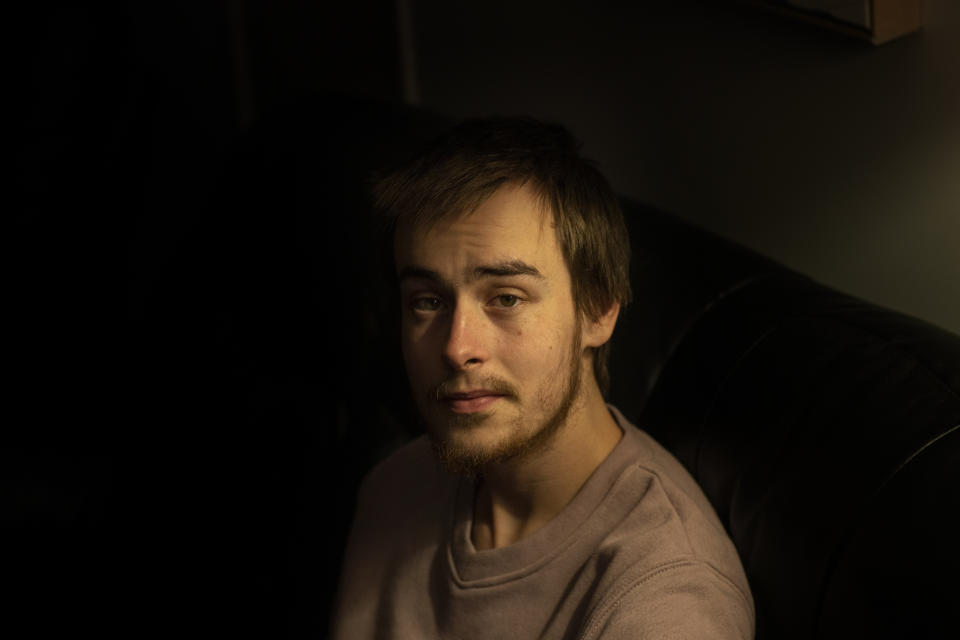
<point>597,332</point>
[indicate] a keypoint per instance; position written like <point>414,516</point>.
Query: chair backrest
<point>823,429</point>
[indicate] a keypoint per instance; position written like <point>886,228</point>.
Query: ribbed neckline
<point>471,568</point>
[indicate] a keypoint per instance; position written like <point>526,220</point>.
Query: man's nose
<point>466,346</point>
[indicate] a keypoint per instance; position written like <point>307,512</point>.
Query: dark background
<point>166,461</point>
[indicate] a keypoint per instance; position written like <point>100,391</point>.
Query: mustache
<point>453,385</point>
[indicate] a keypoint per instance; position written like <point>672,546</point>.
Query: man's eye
<point>427,303</point>
<point>507,300</point>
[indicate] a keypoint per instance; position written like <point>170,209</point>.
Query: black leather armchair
<point>823,429</point>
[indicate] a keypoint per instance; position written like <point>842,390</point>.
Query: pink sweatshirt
<point>638,553</point>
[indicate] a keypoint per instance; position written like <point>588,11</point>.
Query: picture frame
<point>878,21</point>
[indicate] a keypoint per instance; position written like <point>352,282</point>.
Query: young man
<point>531,508</point>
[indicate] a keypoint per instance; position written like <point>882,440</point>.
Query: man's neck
<point>516,498</point>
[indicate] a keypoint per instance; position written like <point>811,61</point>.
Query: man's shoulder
<point>677,486</point>
<point>671,535</point>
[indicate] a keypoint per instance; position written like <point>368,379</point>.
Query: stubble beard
<point>468,460</point>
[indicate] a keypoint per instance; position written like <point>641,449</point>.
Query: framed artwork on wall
<point>878,21</point>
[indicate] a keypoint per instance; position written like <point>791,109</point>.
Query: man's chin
<point>456,443</point>
<point>458,460</point>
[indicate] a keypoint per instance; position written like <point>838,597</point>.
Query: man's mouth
<point>470,401</point>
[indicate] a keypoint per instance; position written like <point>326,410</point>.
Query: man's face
<point>490,333</point>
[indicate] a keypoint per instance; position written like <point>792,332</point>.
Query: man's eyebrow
<point>504,269</point>
<point>507,268</point>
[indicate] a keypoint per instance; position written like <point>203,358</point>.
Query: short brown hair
<point>466,165</point>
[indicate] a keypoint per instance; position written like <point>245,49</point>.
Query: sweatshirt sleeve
<point>685,600</point>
